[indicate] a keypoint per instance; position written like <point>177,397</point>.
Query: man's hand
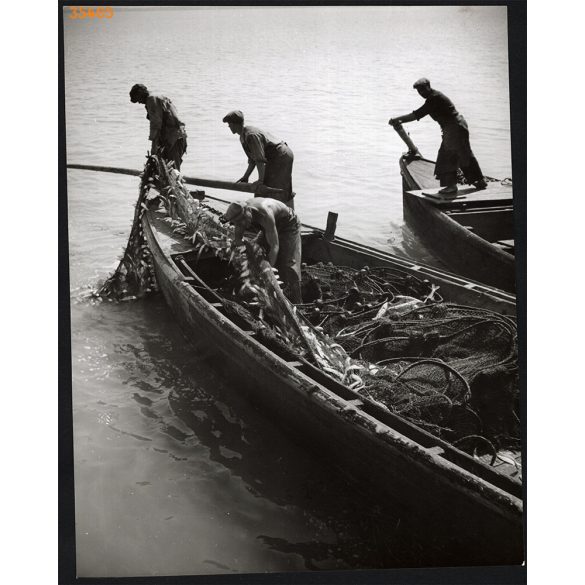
<point>261,189</point>
<point>242,180</point>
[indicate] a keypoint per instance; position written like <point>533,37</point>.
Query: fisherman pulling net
<point>384,333</point>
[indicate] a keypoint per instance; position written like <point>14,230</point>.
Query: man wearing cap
<point>281,231</point>
<point>273,158</point>
<point>167,132</point>
<point>455,150</point>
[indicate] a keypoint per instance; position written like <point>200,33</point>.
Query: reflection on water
<point>175,471</point>
<point>169,428</point>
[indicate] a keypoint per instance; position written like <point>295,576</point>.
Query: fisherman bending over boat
<point>273,157</point>
<point>281,230</point>
<point>455,150</point>
<point>167,132</point>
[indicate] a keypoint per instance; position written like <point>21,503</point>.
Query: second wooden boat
<point>472,233</point>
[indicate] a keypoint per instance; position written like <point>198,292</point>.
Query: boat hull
<point>473,522</point>
<point>462,250</point>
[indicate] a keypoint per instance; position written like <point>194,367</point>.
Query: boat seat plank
<point>496,209</point>
<point>505,245</point>
<point>295,364</point>
<point>356,402</point>
<point>468,196</point>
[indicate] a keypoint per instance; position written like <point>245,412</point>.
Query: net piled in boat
<point>425,391</point>
<point>448,368</point>
<point>330,284</point>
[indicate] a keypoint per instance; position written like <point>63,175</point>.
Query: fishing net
<point>449,368</point>
<point>134,277</point>
<point>381,331</point>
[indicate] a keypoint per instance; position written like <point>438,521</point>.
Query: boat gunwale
<point>450,472</point>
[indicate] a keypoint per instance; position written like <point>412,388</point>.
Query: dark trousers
<point>278,173</point>
<point>472,173</point>
<point>175,152</point>
<point>455,153</point>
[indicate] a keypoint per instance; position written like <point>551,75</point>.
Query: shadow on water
<point>275,469</point>
<point>209,408</point>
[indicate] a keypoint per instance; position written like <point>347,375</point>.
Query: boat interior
<point>213,279</point>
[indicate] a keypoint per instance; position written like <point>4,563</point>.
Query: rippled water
<point>175,473</point>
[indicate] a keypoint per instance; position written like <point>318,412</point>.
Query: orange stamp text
<point>81,12</point>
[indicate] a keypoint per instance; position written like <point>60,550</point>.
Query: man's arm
<point>416,115</point>
<point>402,119</point>
<point>260,182</point>
<point>261,170</point>
<point>246,176</point>
<point>269,226</point>
<point>155,115</point>
<point>257,159</point>
<point>239,234</point>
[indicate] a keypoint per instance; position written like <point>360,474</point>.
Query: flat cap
<point>420,82</point>
<point>137,88</point>
<point>234,116</point>
<point>234,212</point>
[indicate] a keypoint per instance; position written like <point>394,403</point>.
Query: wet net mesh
<point>381,331</point>
<point>449,368</point>
<point>134,277</point>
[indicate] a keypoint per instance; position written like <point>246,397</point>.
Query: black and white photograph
<point>295,239</point>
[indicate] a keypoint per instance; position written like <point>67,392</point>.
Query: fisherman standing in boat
<point>455,150</point>
<point>273,157</point>
<point>281,231</point>
<point>167,132</point>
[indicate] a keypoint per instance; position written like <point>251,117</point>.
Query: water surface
<point>175,472</point>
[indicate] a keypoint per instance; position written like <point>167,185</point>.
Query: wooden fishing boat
<point>478,508</point>
<point>472,233</point>
<point>473,510</point>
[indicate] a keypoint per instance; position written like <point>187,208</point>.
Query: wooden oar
<point>243,187</point>
<point>237,186</point>
<point>404,135</point>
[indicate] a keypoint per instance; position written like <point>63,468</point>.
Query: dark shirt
<point>164,120</point>
<point>441,109</point>
<point>258,145</point>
